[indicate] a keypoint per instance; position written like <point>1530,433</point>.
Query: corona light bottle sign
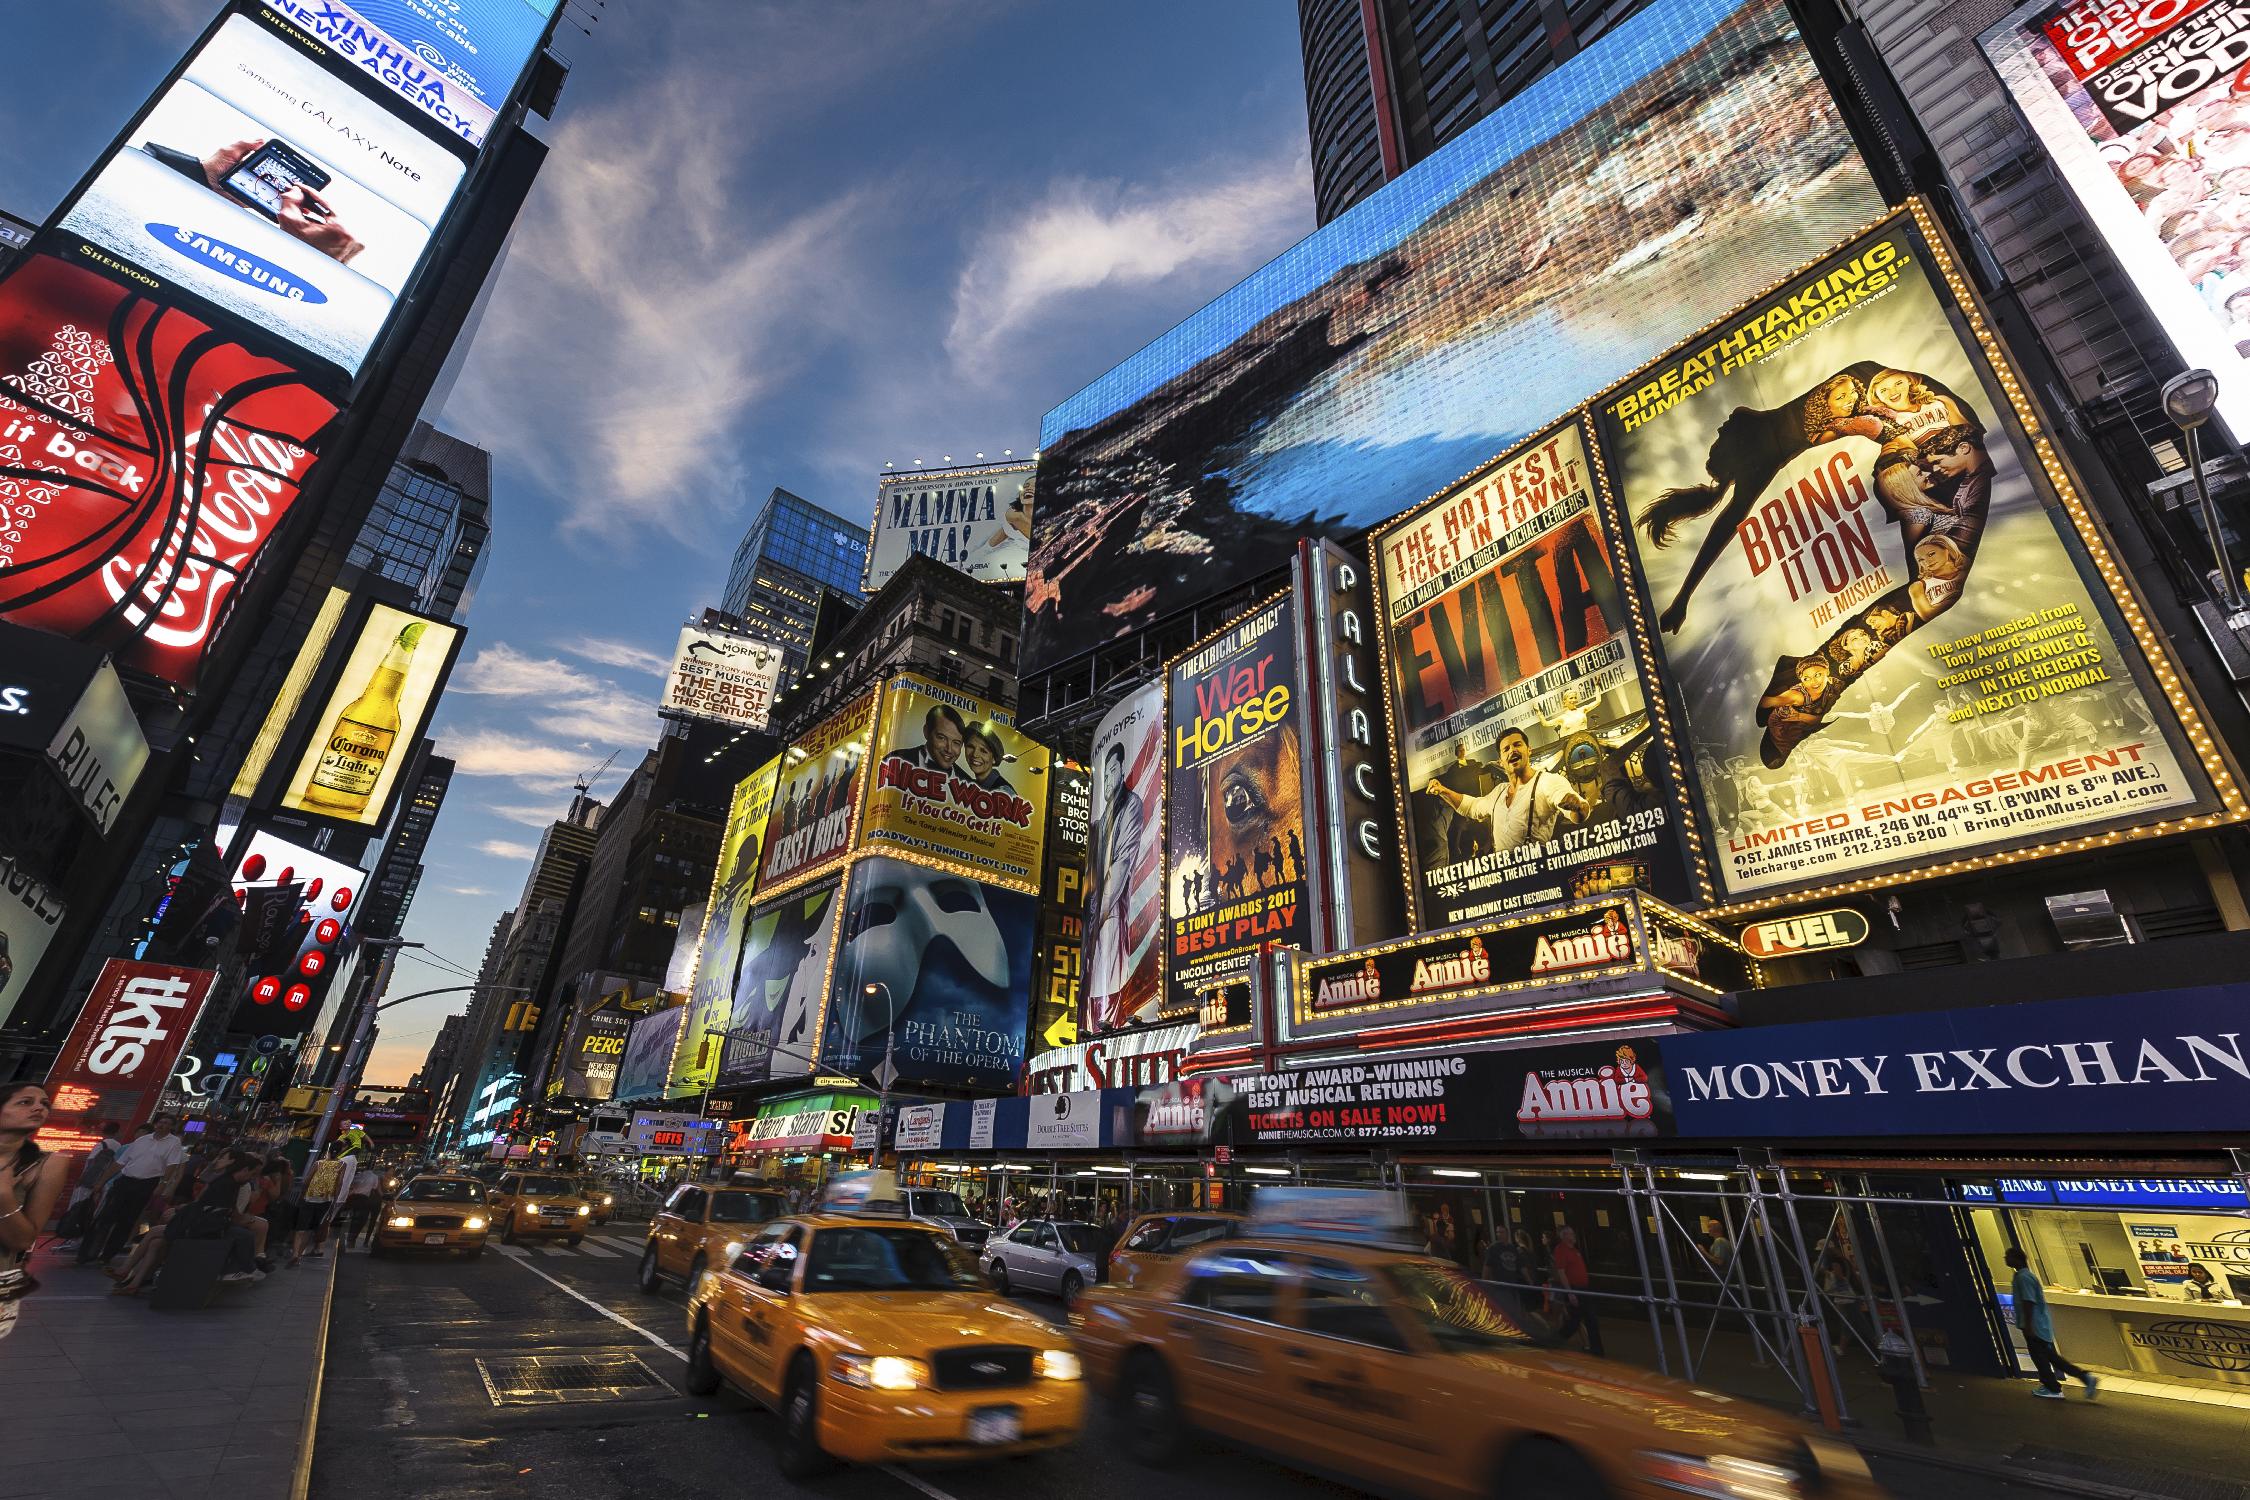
<point>363,735</point>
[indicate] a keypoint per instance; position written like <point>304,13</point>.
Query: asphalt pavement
<point>544,1371</point>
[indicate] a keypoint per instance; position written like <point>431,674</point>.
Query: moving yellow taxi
<point>876,1341</point>
<point>527,1204</point>
<point>700,1227</point>
<point>598,1197</point>
<point>437,1213</point>
<point>1393,1371</point>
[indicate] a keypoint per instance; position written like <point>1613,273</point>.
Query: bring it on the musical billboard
<point>1887,639</point>
<point>1684,160</point>
<point>1534,770</point>
<point>2145,107</point>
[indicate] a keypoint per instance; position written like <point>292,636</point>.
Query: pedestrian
<point>221,1211</point>
<point>1571,1280</point>
<point>101,1165</point>
<point>319,1201</point>
<point>31,1179</point>
<point>2039,1332</point>
<point>281,1209</point>
<point>359,1209</point>
<point>141,1168</point>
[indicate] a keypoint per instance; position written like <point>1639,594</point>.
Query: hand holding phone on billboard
<point>305,214</point>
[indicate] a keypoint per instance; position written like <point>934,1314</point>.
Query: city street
<point>420,1398</point>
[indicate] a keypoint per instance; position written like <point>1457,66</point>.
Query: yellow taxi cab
<point>1319,1339</point>
<point>873,1337</point>
<point>702,1226</point>
<point>1152,1240</point>
<point>436,1212</point>
<point>526,1204</point>
<point>599,1198</point>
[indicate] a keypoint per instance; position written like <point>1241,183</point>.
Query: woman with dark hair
<point>31,1179</point>
<point>1928,440</point>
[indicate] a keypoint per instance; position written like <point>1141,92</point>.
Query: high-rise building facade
<point>1387,82</point>
<point>430,522</point>
<point>792,552</point>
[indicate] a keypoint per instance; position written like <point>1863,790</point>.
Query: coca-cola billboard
<point>145,462</point>
<point>128,1038</point>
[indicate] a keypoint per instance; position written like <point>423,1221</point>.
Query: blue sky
<point>776,243</point>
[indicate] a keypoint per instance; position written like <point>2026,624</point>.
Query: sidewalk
<point>109,1400</point>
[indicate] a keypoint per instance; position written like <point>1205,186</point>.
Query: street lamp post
<point>2189,399</point>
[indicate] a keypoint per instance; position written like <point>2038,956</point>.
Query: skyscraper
<point>792,551</point>
<point>1387,82</point>
<point>430,522</point>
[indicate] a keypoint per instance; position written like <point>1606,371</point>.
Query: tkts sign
<point>1570,946</point>
<point>125,1045</point>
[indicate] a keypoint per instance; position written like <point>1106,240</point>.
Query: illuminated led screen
<point>1673,169</point>
<point>455,60</point>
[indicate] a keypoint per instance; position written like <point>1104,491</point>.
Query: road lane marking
<point>553,1249</point>
<point>912,1481</point>
<point>513,1252</point>
<point>615,1317</point>
<point>596,1251</point>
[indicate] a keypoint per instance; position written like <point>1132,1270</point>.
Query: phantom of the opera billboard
<point>733,880</point>
<point>1685,159</point>
<point>145,462</point>
<point>1534,770</point>
<point>2144,105</point>
<point>1234,804</point>
<point>816,800</point>
<point>976,521</point>
<point>955,783</point>
<point>934,969</point>
<point>1125,865</point>
<point>1886,639</point>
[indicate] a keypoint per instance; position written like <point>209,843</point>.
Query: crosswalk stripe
<point>596,1251</point>
<point>554,1249</point>
<point>513,1252</point>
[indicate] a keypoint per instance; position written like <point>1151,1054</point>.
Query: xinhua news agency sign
<point>2172,1061</point>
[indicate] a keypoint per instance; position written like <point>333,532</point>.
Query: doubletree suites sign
<point>1586,941</point>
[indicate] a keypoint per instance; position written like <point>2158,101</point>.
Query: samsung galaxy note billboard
<point>455,60</point>
<point>266,187</point>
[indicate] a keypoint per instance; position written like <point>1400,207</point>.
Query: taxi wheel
<point>1073,1285</point>
<point>574,1240</point>
<point>800,1456</point>
<point>477,1254</point>
<point>1000,1278</point>
<point>702,1375</point>
<point>1156,1433</point>
<point>651,1278</point>
<point>1546,1470</point>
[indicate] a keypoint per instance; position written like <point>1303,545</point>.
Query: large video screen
<point>2145,107</point>
<point>455,60</point>
<point>1684,161</point>
<point>272,189</point>
<point>145,463</point>
<point>1883,631</point>
<point>364,734</point>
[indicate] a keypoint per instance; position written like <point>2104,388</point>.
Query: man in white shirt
<point>1523,807</point>
<point>140,1168</point>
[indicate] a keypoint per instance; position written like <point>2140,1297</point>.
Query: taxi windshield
<point>744,1208</point>
<point>546,1185</point>
<point>1452,1309</point>
<point>442,1190</point>
<point>867,1258</point>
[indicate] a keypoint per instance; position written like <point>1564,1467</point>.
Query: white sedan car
<point>1048,1255</point>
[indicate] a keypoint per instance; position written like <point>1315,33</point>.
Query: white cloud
<point>501,671</point>
<point>507,849</point>
<point>620,654</point>
<point>529,814</point>
<point>608,718</point>
<point>498,752</point>
<point>469,890</point>
<point>1085,236</point>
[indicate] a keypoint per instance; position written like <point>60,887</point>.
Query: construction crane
<point>585,783</point>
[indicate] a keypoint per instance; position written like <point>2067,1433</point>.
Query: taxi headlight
<point>472,1223</point>
<point>1058,1364</point>
<point>584,1209</point>
<point>608,1201</point>
<point>880,1372</point>
<point>402,1221</point>
<point>1722,1478</point>
<point>734,1248</point>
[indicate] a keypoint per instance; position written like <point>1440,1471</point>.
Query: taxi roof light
<point>1362,1216</point>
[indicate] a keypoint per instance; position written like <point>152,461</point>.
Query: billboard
<point>957,783</point>
<point>364,735</point>
<point>266,186</point>
<point>646,1071</point>
<point>950,961</point>
<point>1532,769</point>
<point>29,915</point>
<point>1683,161</point>
<point>816,799</point>
<point>788,949</point>
<point>288,975</point>
<point>290,696</point>
<point>121,1051</point>
<point>1234,802</point>
<point>455,60</point>
<point>735,876</point>
<point>1125,865</point>
<point>145,462</point>
<point>1811,485</point>
<point>719,676</point>
<point>2142,105</point>
<point>595,1052</point>
<point>976,521</point>
<point>1062,910</point>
